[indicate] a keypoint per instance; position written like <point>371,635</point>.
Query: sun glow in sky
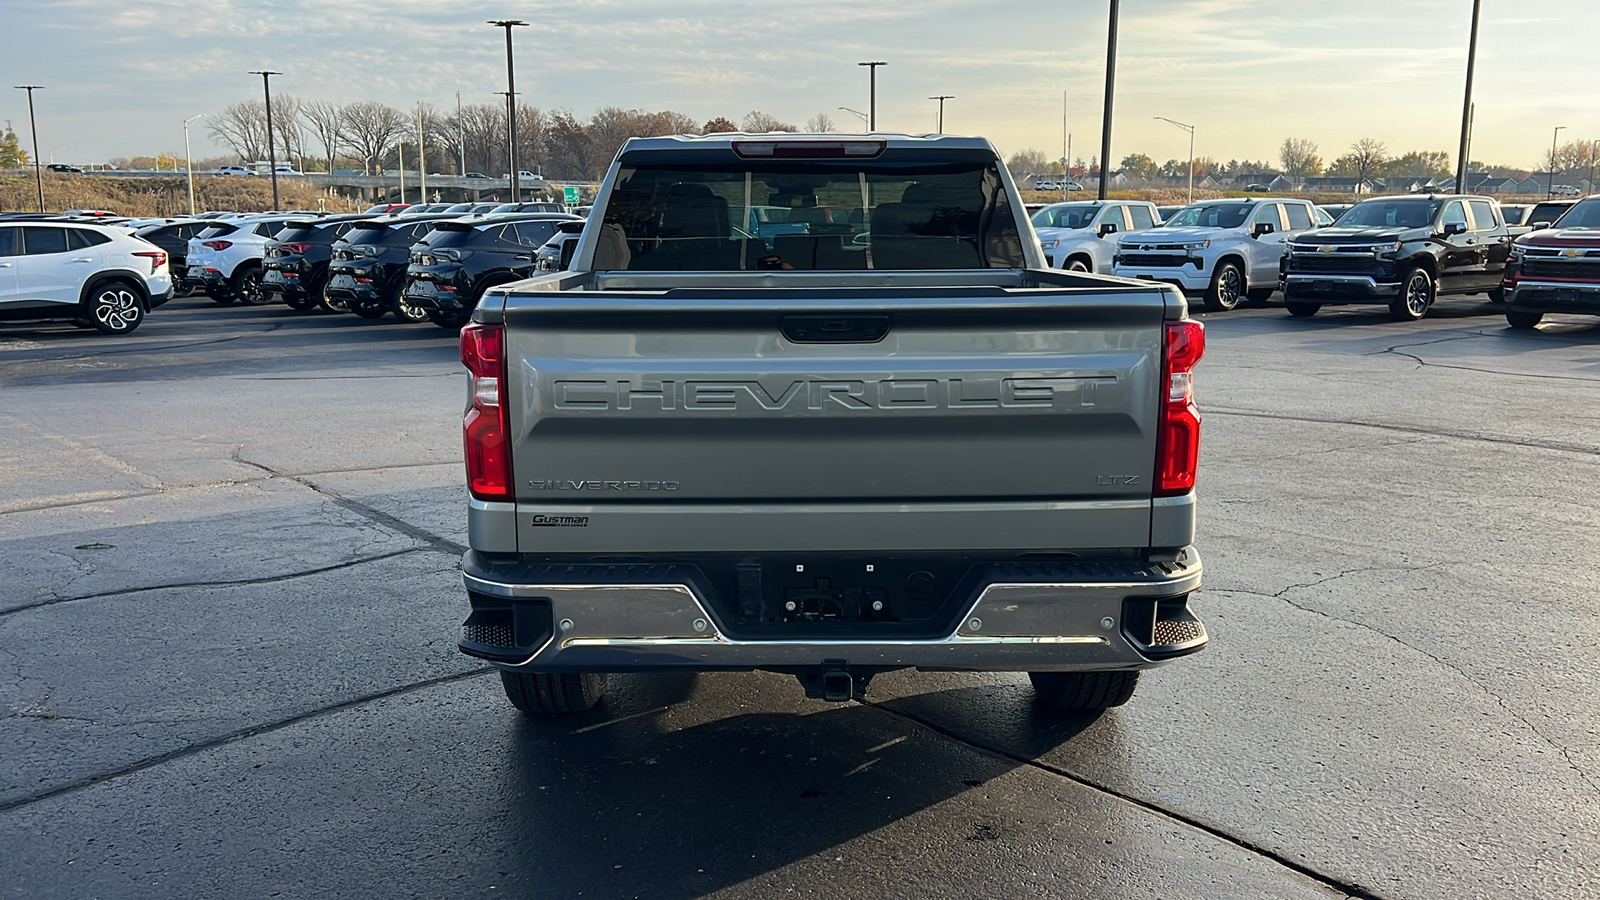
<point>121,77</point>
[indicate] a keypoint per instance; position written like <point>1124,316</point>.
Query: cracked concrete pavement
<point>230,599</point>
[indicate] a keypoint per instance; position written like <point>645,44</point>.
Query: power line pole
<point>1554,136</point>
<point>422,154</point>
<point>872,93</point>
<point>188,160</point>
<point>511,106</point>
<point>942,98</point>
<point>272,145</point>
<point>33,126</point>
<point>1111,85</point>
<point>461,141</point>
<point>1466,103</point>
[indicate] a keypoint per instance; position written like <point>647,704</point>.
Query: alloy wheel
<point>116,310</point>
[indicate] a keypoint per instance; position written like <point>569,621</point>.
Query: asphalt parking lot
<point>230,599</point>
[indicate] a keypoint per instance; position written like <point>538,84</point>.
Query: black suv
<point>452,267</point>
<point>295,263</point>
<point>368,273</point>
<point>173,237</point>
<point>1402,251</point>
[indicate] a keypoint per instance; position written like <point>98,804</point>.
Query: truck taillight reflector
<point>1178,437</point>
<point>486,429</point>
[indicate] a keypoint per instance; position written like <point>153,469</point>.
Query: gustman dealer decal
<point>561,521</point>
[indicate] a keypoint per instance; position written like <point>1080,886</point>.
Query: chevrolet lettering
<point>896,438</point>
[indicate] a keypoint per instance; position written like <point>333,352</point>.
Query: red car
<point>1556,269</point>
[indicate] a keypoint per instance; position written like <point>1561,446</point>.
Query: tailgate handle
<point>835,329</point>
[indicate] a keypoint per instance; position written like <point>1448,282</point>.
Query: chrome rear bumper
<point>1055,626</point>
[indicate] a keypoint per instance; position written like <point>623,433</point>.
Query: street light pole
<point>872,93</point>
<point>422,154</point>
<point>1554,136</point>
<point>188,160</point>
<point>272,144</point>
<point>461,141</point>
<point>511,105</point>
<point>1111,84</point>
<point>1466,103</point>
<point>942,98</point>
<point>38,170</point>
<point>858,114</point>
<point>1190,129</point>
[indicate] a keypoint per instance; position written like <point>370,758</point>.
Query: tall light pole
<point>188,160</point>
<point>1466,103</point>
<point>1111,85</point>
<point>858,114</point>
<point>1554,136</point>
<point>422,154</point>
<point>511,105</point>
<point>872,93</point>
<point>1594,147</point>
<point>461,140</point>
<point>272,144</point>
<point>1190,129</point>
<point>33,126</point>
<point>942,98</point>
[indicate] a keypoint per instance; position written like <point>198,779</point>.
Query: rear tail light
<point>158,258</point>
<point>295,246</point>
<point>217,245</point>
<point>1178,435</point>
<point>486,429</point>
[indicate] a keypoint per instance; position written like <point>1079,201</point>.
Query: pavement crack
<point>1533,443</point>
<point>1447,666</point>
<point>370,513</point>
<point>236,582</point>
<point>1352,890</point>
<point>248,731</point>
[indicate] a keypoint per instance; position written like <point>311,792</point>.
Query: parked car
<point>1515,214</point>
<point>557,252</point>
<point>225,259</point>
<point>65,169</point>
<point>524,175</point>
<point>460,259</point>
<point>1566,190</point>
<point>1402,251</point>
<point>234,170</point>
<point>1545,213</point>
<point>385,208</point>
<point>1053,185</point>
<point>1082,235</point>
<point>1335,210</point>
<point>1167,212</point>
<point>286,170</point>
<point>1222,250</point>
<point>1556,269</point>
<point>174,238</point>
<point>295,262</point>
<point>1257,189</point>
<point>90,275</point>
<point>527,207</point>
<point>367,269</point>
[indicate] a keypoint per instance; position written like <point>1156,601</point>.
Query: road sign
<point>570,195</point>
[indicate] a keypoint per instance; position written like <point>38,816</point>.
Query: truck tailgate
<point>1037,402</point>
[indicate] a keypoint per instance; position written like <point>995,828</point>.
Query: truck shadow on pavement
<point>632,801</point>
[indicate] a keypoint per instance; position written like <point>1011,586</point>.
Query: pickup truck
<point>832,455</point>
<point>1223,250</point>
<point>1556,269</point>
<point>1400,251</point>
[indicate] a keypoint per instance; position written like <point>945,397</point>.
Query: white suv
<point>92,275</point>
<point>1082,236</point>
<point>1226,250</point>
<point>225,259</point>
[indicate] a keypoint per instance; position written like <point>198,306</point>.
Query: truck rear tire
<point>1259,296</point>
<point>541,694</point>
<point>1301,310</point>
<point>1083,691</point>
<point>1520,320</point>
<point>452,319</point>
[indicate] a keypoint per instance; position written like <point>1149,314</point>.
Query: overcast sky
<point>121,75</point>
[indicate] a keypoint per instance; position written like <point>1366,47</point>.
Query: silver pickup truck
<point>891,439</point>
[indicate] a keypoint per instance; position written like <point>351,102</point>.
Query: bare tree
<point>1367,156</point>
<point>1028,162</point>
<point>327,123</point>
<point>288,128</point>
<point>820,123</point>
<point>1299,157</point>
<point>758,122</point>
<point>243,128</point>
<point>369,128</point>
<point>567,146</point>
